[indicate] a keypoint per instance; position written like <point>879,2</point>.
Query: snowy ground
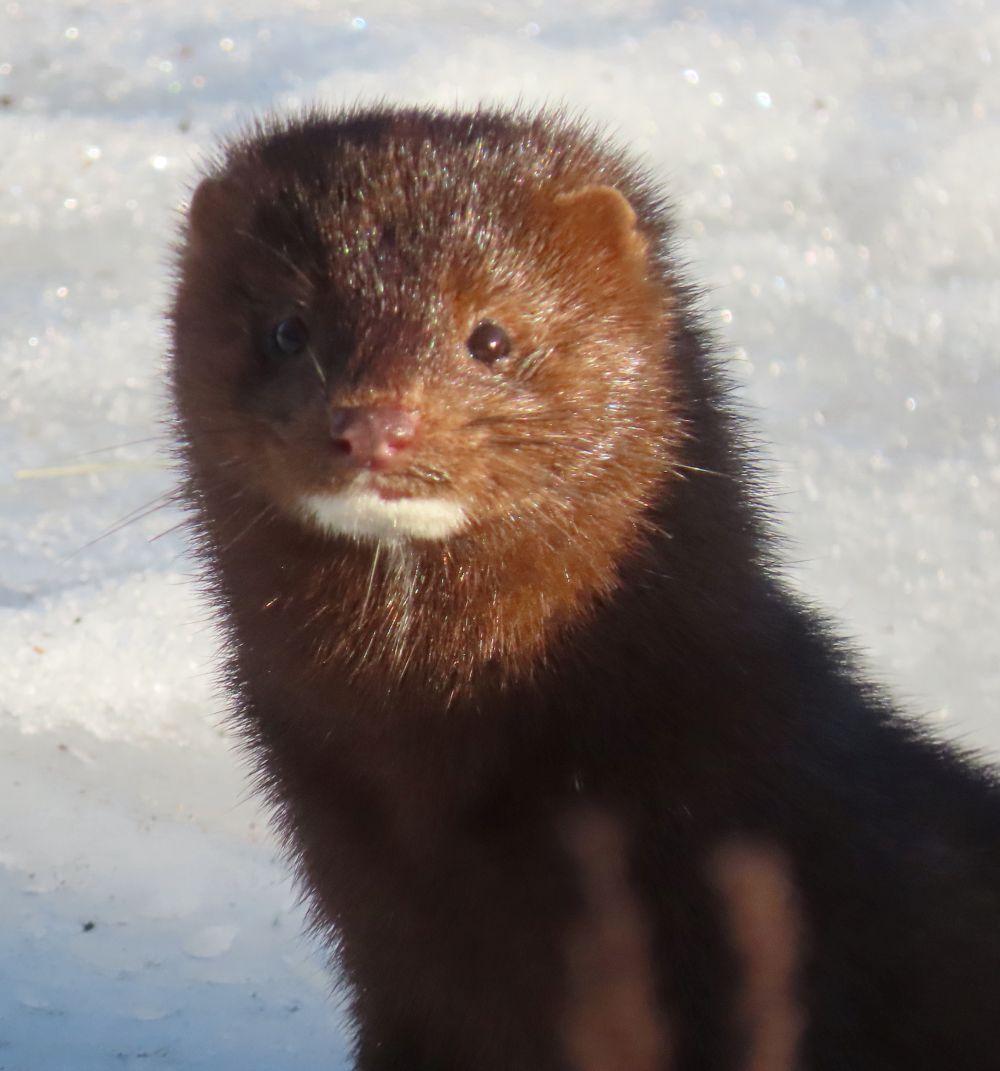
<point>835,173</point>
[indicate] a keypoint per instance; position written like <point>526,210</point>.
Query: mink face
<point>401,334</point>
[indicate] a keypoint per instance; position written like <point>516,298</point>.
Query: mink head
<point>447,337</point>
<point>408,327</point>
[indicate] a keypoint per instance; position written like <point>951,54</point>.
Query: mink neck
<point>427,623</point>
<point>380,665</point>
<point>422,748</point>
<point>469,621</point>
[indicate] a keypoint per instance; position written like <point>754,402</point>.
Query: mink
<point>487,544</point>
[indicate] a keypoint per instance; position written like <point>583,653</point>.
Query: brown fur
<point>605,636</point>
<point>612,1019</point>
<point>758,889</point>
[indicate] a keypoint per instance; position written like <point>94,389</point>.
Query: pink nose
<point>373,437</point>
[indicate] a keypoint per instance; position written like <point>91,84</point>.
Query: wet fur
<point>608,635</point>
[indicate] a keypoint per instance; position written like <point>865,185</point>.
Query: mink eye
<point>288,337</point>
<point>488,342</point>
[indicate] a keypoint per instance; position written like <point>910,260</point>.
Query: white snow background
<point>835,170</point>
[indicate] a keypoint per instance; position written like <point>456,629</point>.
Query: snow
<point>834,173</point>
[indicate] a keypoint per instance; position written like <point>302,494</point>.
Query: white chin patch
<point>366,515</point>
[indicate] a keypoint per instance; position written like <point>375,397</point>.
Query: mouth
<point>383,512</point>
<point>389,492</point>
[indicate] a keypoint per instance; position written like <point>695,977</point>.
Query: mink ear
<point>600,216</point>
<point>217,210</point>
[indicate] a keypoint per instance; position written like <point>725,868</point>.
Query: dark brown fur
<point>605,637</point>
